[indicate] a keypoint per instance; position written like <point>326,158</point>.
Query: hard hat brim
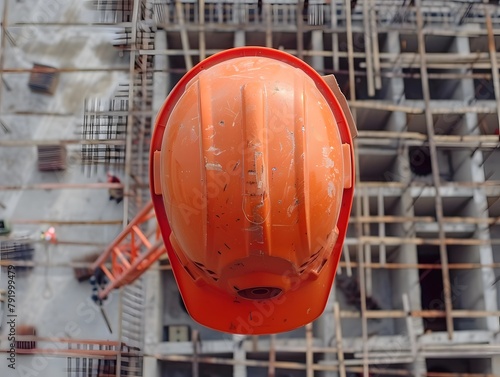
<point>218,310</point>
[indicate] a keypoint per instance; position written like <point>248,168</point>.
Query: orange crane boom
<point>131,253</point>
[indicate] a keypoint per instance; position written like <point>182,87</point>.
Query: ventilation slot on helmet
<point>323,262</point>
<point>210,273</point>
<point>259,293</point>
<point>190,273</point>
<point>311,259</point>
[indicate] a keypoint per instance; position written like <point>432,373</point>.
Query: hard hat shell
<point>252,183</point>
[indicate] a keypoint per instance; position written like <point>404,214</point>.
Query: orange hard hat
<point>252,185</point>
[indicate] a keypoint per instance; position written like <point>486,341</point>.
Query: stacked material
<point>26,331</point>
<point>16,250</point>
<point>43,79</point>
<point>51,157</point>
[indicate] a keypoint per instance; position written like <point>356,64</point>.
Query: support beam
<point>435,169</point>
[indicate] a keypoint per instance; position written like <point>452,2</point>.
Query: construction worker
<point>114,193</point>
<point>49,235</point>
<point>98,281</point>
<point>252,180</point>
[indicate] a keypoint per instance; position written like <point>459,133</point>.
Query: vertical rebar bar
<point>201,33</point>
<point>271,371</point>
<point>2,47</point>
<point>375,46</point>
<point>184,34</point>
<point>269,24</point>
<point>300,29</point>
<point>335,37</point>
<point>338,337</point>
<point>195,344</point>
<point>381,227</point>
<point>130,117</point>
<point>367,246</point>
<point>350,52</point>
<point>309,351</point>
<point>368,48</point>
<point>435,168</point>
<point>494,61</point>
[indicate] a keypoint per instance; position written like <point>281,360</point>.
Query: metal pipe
<point>271,371</point>
<point>66,222</point>
<point>395,241</point>
<point>375,46</point>
<point>381,219</point>
<point>201,32</point>
<point>184,34</point>
<point>367,246</point>
<point>2,49</point>
<point>62,70</point>
<point>61,186</point>
<point>130,117</point>
<point>338,337</point>
<point>368,49</point>
<point>422,266</point>
<point>494,61</point>
<point>300,29</point>
<point>309,352</point>
<point>335,37</point>
<point>350,56</point>
<point>32,143</point>
<point>381,227</point>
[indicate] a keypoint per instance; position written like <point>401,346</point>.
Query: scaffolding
<point>420,260</point>
<point>417,291</point>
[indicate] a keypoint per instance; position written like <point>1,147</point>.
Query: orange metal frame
<point>131,253</point>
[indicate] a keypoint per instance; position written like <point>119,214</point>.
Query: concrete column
<point>317,62</point>
<point>151,367</point>
<point>239,354</point>
<point>419,367</point>
<point>472,289</point>
<point>324,329</point>
<point>403,281</point>
<point>495,365</point>
<point>239,38</point>
<point>161,81</point>
<point>153,331</point>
